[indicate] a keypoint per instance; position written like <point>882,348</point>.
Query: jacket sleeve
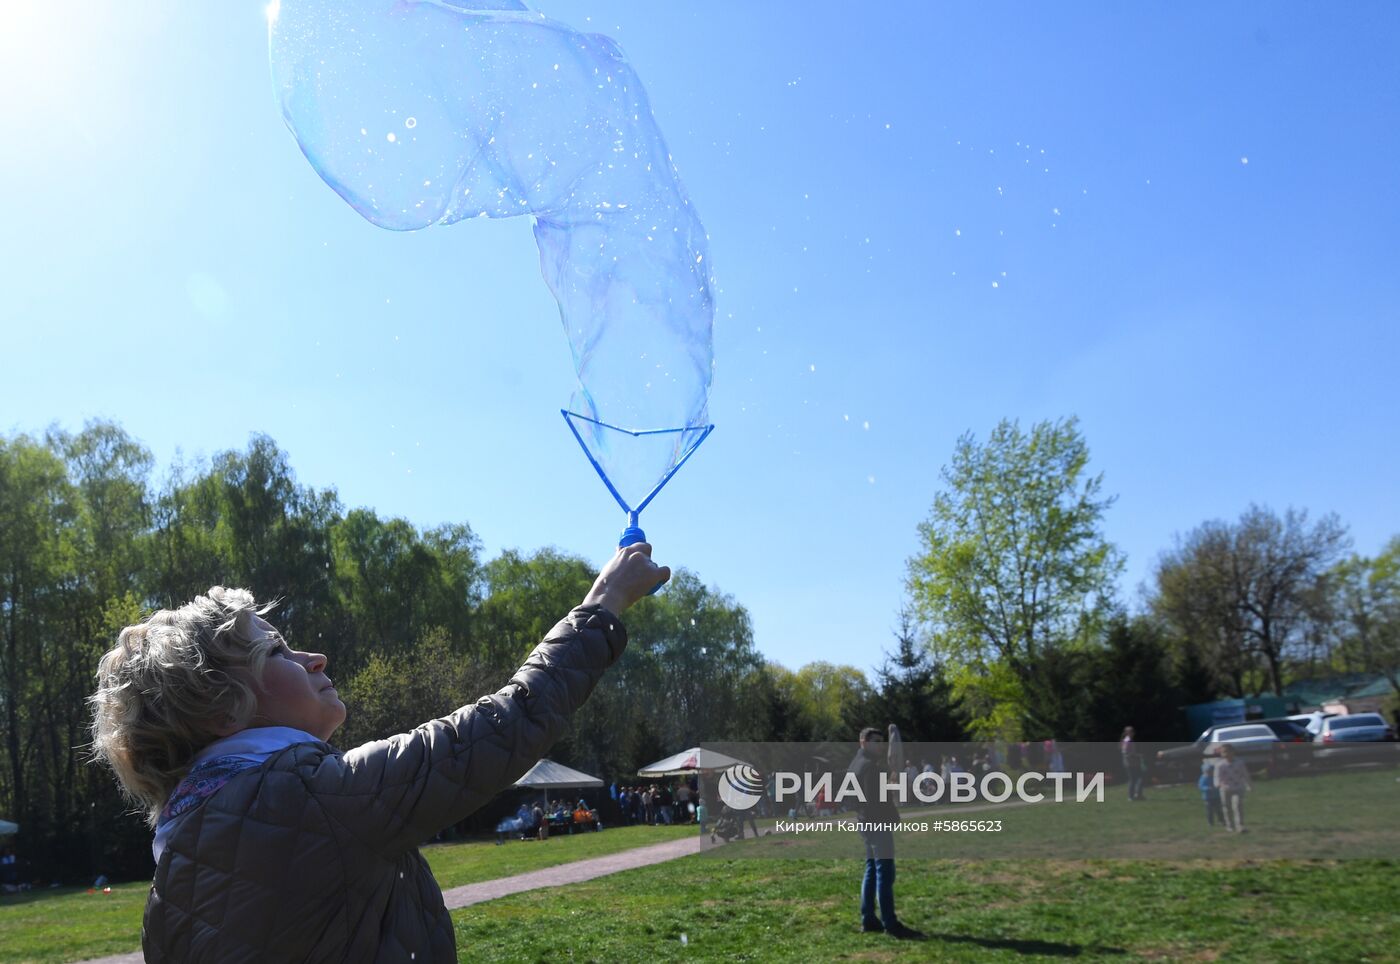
<point>394,794</point>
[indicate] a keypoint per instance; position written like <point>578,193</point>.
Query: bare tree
<point>1248,595</point>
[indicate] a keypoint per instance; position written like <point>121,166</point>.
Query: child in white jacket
<point>1232,779</point>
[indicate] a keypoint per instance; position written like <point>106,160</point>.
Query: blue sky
<point>1175,221</point>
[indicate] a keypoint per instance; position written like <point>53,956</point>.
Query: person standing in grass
<point>1133,769</point>
<point>270,844</point>
<point>683,799</point>
<point>877,886</point>
<point>1210,794</point>
<point>1232,780</point>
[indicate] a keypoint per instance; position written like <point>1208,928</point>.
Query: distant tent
<point>7,828</point>
<point>548,775</point>
<point>687,762</point>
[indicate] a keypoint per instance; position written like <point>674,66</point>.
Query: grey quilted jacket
<point>313,856</point>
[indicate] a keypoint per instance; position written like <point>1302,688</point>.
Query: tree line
<point>1013,628</point>
<point>414,620</point>
<point>1014,585</point>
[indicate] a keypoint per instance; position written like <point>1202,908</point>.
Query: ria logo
<point>741,786</point>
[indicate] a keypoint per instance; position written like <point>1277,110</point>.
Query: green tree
<point>1133,683</point>
<point>1248,596</point>
<point>1013,563</point>
<point>243,520</point>
<point>833,702</point>
<point>914,690</point>
<point>109,476</point>
<point>769,707</point>
<point>396,583</point>
<point>524,596</point>
<point>38,520</point>
<point>681,681</point>
<point>395,692</point>
<point>699,645</point>
<point>1367,594</point>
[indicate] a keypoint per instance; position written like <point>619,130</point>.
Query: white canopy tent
<point>548,775</point>
<point>687,762</point>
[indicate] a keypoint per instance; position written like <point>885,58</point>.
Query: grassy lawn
<point>758,910</point>
<point>70,924</point>
<point>1268,895</point>
<point>753,901</point>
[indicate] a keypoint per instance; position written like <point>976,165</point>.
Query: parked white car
<point>1257,744</point>
<point>1356,736</point>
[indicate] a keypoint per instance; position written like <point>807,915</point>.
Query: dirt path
<point>570,873</point>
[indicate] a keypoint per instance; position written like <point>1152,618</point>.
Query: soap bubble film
<point>421,113</point>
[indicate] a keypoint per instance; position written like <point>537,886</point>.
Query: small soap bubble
<point>392,137</point>
<point>410,122</point>
<point>1244,160</point>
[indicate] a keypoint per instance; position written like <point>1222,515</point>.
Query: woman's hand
<point>629,575</point>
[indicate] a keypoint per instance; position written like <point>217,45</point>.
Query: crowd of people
<point>537,821</point>
<point>663,803</point>
<point>656,804</point>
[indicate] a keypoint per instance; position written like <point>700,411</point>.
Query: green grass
<point>1246,905</point>
<point>70,924</point>
<point>1157,899</point>
<point>754,910</point>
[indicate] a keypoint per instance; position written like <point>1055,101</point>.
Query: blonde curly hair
<point>172,683</point>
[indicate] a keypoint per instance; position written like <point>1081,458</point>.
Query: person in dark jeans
<point>877,886</point>
<point>1134,768</point>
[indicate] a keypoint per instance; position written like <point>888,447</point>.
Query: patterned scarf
<point>216,765</point>
<point>201,783</point>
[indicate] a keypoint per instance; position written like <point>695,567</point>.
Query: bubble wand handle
<point>632,535</point>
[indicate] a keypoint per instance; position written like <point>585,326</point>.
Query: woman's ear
<point>226,726</point>
<point>232,721</point>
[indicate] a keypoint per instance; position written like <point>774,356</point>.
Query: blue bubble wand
<point>633,533</point>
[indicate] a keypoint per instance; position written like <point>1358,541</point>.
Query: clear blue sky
<point>1176,221</point>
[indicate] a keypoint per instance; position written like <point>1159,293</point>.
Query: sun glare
<point>23,25</point>
<point>272,10</point>
<point>43,47</point>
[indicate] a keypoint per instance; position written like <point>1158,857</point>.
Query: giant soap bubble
<point>421,112</point>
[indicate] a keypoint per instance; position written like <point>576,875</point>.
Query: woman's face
<point>295,691</point>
